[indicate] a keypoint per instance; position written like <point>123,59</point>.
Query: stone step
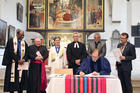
<point>1,80</point>
<point>136,83</point>
<point>1,86</point>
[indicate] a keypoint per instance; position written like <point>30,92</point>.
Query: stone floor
<point>136,83</point>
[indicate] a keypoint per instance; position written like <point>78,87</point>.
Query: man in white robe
<point>57,56</point>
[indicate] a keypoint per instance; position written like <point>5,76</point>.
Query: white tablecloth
<point>57,85</point>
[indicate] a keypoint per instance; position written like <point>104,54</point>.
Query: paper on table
<point>23,66</point>
<point>117,53</point>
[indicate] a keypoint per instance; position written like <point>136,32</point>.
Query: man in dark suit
<point>124,67</point>
<point>76,52</point>
<point>97,43</point>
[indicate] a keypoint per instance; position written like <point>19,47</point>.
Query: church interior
<point>49,18</point>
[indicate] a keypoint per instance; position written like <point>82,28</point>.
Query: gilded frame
<point>66,15</point>
<point>95,15</point>
<point>66,38</point>
<point>19,12</point>
<point>36,14</point>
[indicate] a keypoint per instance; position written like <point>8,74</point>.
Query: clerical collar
<point>76,45</point>
<point>57,48</point>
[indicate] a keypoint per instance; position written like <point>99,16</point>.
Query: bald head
<point>20,34</point>
<point>37,42</point>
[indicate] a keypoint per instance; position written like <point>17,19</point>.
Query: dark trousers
<point>125,78</point>
<point>18,91</point>
<point>42,91</point>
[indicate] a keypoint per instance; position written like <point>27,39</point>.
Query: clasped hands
<point>39,58</point>
<point>21,61</point>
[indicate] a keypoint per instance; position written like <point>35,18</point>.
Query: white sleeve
<point>49,59</point>
<point>65,58</point>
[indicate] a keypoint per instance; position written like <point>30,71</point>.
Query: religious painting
<point>3,28</point>
<point>65,14</point>
<point>36,14</point>
<point>66,38</point>
<point>11,32</point>
<point>95,15</point>
<point>19,12</point>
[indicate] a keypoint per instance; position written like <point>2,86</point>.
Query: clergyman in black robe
<point>76,52</point>
<point>37,76</point>
<point>15,53</point>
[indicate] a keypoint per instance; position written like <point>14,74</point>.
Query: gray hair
<point>76,33</point>
<point>18,31</point>
<point>97,34</point>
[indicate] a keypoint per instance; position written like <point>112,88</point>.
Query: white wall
<point>134,20</point>
<point>8,13</point>
<point>135,11</point>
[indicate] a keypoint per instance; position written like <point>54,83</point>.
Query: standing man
<point>15,53</point>
<point>125,66</point>
<point>37,75</point>
<point>97,43</point>
<point>57,56</point>
<point>76,52</point>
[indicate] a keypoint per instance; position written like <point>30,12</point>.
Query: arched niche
<point>115,39</point>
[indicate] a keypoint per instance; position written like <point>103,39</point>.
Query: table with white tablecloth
<point>57,84</point>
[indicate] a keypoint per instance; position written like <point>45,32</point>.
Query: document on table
<point>117,53</point>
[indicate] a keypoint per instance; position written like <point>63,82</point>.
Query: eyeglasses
<point>123,38</point>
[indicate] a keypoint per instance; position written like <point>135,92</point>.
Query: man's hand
<point>95,73</point>
<point>82,73</point>
<point>116,67</point>
<point>122,57</point>
<point>21,61</point>
<point>49,68</point>
<point>77,61</point>
<point>39,58</point>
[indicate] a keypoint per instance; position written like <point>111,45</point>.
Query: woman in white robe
<point>57,56</point>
